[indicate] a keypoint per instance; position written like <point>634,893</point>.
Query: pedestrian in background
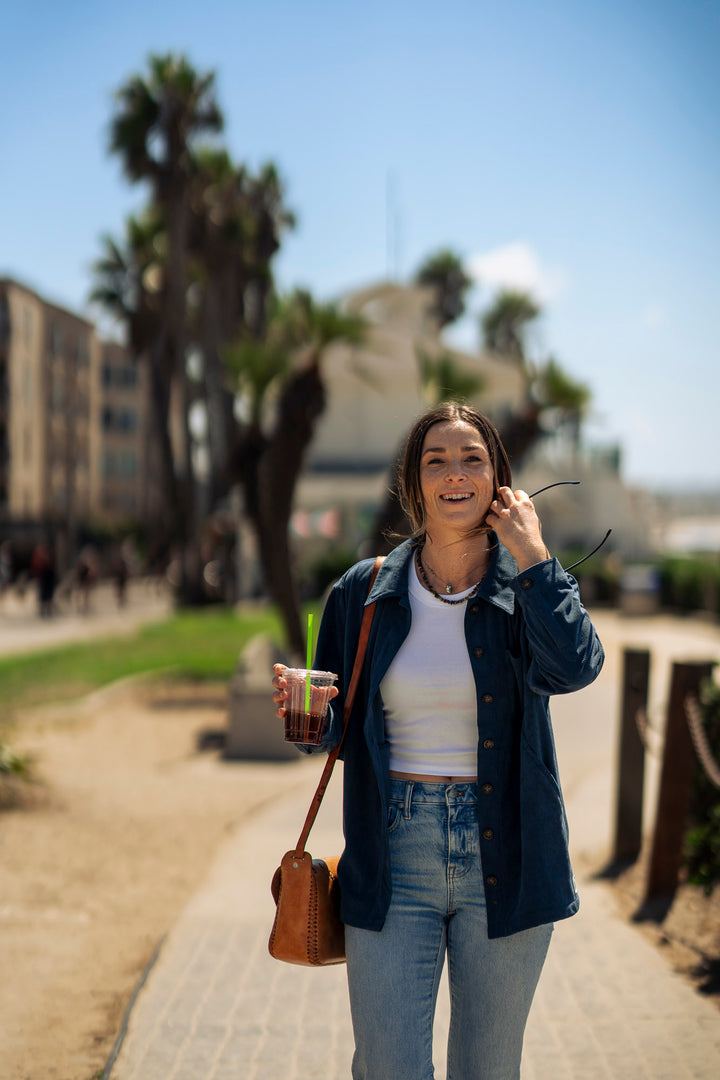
<point>121,573</point>
<point>456,843</point>
<point>85,578</point>
<point>6,567</point>
<point>42,567</point>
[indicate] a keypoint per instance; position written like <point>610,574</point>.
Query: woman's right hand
<point>279,689</point>
<point>280,693</point>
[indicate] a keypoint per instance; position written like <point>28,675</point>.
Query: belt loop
<point>408,798</point>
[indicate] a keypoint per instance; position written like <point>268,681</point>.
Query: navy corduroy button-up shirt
<point>528,637</point>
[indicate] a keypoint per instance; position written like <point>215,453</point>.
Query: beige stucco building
<point>73,418</point>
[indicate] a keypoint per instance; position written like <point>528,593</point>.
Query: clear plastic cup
<point>301,725</point>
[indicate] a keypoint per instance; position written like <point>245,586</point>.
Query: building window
<point>122,376</point>
<point>108,464</point>
<point>124,420</point>
<point>128,420</point>
<point>82,354</point>
<point>128,464</point>
<point>56,340</point>
<point>58,391</point>
<point>4,320</point>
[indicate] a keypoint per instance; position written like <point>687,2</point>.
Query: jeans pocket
<point>395,815</point>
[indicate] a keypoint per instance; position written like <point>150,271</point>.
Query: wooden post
<point>631,758</point>
<point>678,767</point>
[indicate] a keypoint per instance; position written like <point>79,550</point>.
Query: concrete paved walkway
<point>22,629</point>
<point>215,1006</point>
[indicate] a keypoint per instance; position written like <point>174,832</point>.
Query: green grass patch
<point>202,644</point>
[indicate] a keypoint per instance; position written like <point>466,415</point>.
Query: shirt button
<point>487,789</point>
<point>486,699</point>
<point>478,651</point>
<point>488,834</point>
<point>474,608</point>
<point>488,744</point>
<point>526,584</point>
<point>492,880</point>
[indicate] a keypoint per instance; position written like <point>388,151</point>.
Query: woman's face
<point>456,477</point>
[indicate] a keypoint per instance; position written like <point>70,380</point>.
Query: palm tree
<point>270,218</point>
<point>221,271</point>
<point>445,274</point>
<point>441,379</point>
<point>157,122</point>
<point>505,323</point>
<point>128,281</point>
<point>568,399</point>
<point>237,222</point>
<point>504,328</point>
<point>299,332</point>
<point>548,389</point>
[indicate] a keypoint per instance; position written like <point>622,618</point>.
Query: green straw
<point>309,662</point>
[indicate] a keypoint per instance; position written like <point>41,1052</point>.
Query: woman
<point>455,829</point>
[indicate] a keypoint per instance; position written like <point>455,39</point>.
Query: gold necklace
<point>433,571</point>
<point>437,595</point>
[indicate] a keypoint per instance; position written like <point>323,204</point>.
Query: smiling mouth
<point>460,496</point>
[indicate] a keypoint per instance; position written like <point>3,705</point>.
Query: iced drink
<point>305,724</point>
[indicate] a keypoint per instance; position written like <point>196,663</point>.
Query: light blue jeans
<point>438,909</point>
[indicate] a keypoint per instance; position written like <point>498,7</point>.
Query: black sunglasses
<point>559,483</point>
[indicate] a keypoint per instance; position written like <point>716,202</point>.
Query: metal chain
<point>647,733</point>
<point>700,740</point>
<point>641,722</point>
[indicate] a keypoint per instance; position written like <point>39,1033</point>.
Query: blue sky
<point>570,148</point>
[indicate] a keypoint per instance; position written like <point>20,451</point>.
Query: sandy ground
<point>134,803</point>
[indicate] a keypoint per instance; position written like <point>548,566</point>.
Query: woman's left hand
<point>512,515</point>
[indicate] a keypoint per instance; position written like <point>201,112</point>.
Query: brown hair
<point>409,478</point>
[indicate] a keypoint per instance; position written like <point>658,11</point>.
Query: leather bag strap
<point>349,700</point>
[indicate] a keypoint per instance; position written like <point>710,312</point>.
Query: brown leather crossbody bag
<point>307,928</point>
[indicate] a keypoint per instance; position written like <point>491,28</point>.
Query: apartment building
<point>73,418</point>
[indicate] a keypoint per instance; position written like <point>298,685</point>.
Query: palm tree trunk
<point>218,400</point>
<point>176,331</point>
<point>301,403</point>
<point>160,397</point>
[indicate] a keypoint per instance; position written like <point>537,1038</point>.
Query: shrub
<point>689,583</point>
<point>702,840</point>
<point>325,568</point>
<point>15,772</point>
<point>12,763</point>
<point>598,579</point>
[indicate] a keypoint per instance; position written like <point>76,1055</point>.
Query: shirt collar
<point>495,588</point>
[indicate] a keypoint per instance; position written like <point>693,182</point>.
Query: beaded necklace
<point>437,595</point>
